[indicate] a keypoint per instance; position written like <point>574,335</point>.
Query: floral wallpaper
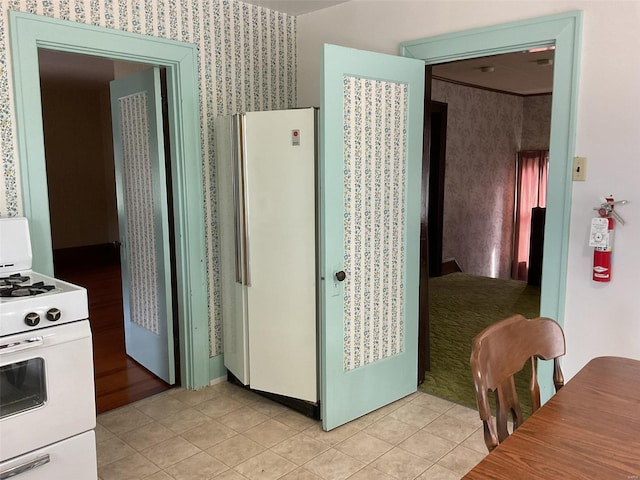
<point>374,219</point>
<point>483,135</point>
<point>139,206</point>
<point>246,62</point>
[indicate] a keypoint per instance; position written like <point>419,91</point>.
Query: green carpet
<point>460,306</point>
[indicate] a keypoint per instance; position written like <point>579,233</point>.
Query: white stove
<point>22,306</point>
<point>47,394</point>
<point>61,304</point>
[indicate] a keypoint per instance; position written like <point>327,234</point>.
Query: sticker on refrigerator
<point>295,137</point>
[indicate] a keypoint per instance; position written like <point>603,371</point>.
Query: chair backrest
<point>500,351</point>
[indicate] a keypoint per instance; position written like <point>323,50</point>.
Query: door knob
<point>340,276</point>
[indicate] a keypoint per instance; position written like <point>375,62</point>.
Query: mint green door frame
<point>564,32</point>
<point>30,32</point>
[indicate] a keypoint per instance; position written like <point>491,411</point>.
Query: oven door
<point>46,387</point>
<point>73,458</point>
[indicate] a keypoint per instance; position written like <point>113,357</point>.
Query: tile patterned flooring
<point>224,432</point>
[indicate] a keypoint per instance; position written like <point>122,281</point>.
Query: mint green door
<point>370,168</point>
<point>141,190</point>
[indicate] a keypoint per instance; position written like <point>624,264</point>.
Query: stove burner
<point>26,290</point>
<point>13,279</point>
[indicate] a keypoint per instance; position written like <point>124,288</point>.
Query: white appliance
<point>47,400</point>
<point>267,211</point>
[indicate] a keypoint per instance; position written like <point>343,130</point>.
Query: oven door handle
<point>12,347</point>
<point>25,467</point>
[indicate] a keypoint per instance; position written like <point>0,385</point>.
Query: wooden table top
<point>590,429</point>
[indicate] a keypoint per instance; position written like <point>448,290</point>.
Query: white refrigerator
<point>266,171</point>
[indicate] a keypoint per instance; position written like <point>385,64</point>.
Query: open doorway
<point>31,32</point>
<point>562,32</point>
<point>84,213</point>
<point>497,107</point>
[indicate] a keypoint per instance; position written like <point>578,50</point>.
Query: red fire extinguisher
<point>602,229</point>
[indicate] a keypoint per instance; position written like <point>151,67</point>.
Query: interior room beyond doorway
<point>497,107</point>
<point>83,212</point>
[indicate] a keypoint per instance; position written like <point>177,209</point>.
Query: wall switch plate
<point>579,169</point>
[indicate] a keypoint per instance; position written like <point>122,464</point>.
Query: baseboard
<point>218,380</point>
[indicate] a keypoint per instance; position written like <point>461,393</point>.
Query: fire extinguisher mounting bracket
<point>606,209</point>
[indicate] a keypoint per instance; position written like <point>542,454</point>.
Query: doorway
<point>85,234</point>
<point>564,32</point>
<point>30,32</point>
<point>487,128</point>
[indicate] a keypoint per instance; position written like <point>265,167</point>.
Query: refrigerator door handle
<point>237,193</point>
<point>240,201</point>
<point>246,264</point>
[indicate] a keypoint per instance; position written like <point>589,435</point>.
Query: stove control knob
<point>53,314</point>
<point>32,319</point>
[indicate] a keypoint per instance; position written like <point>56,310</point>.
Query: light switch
<point>579,169</point>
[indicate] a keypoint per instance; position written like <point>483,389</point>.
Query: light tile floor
<point>224,432</point>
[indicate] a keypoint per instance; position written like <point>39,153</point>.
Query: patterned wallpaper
<point>536,126</point>
<point>374,219</point>
<point>139,206</point>
<point>247,61</point>
<point>483,136</point>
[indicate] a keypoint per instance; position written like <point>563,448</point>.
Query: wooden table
<point>590,429</point>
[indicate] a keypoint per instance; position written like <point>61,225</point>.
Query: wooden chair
<point>500,351</point>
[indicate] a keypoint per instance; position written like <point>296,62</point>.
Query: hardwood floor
<point>119,380</point>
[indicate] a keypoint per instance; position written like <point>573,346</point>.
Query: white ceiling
<point>522,73</point>
<point>69,67</point>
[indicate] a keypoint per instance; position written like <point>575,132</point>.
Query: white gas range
<point>47,400</point>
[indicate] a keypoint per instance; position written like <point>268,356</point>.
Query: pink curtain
<point>531,192</point>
